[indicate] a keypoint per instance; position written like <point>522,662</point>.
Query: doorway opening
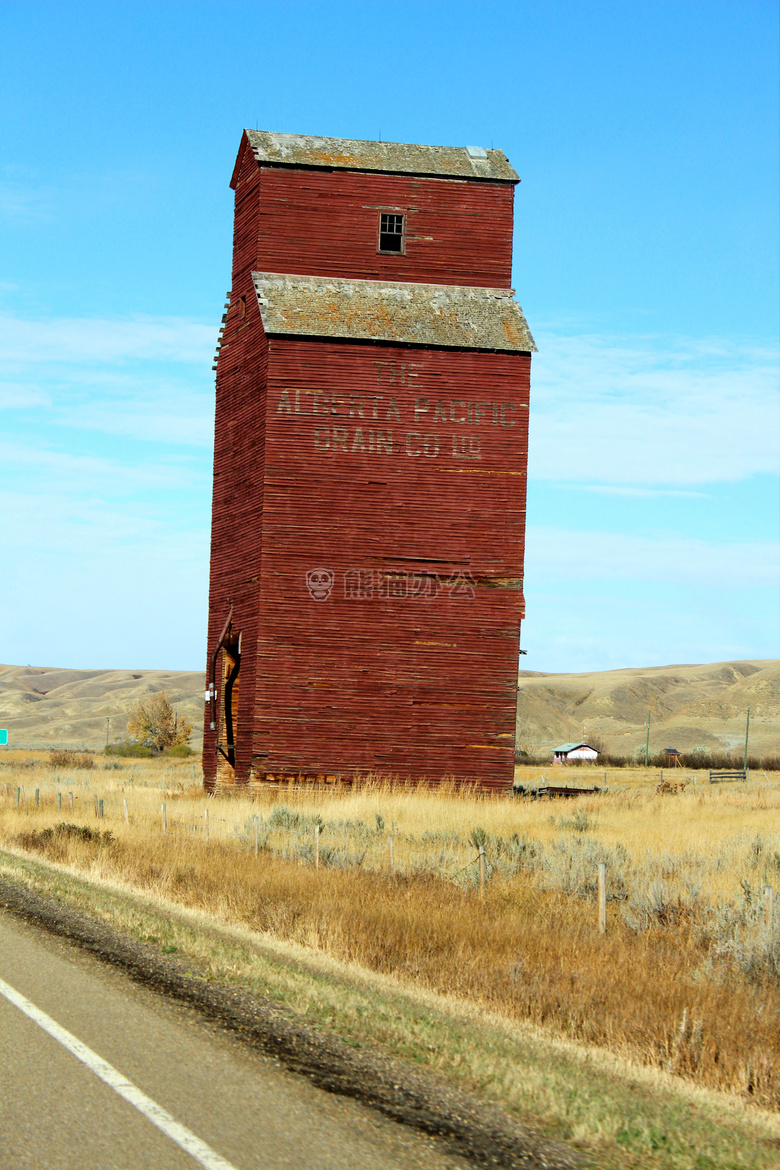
<point>229,693</point>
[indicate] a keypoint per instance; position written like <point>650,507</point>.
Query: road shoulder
<point>414,1058</point>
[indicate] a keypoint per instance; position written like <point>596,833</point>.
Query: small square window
<point>392,232</point>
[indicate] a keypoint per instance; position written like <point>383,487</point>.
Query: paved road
<point>57,1114</point>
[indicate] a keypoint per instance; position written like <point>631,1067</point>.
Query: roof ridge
<point>307,150</point>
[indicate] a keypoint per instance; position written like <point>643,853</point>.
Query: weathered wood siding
<point>326,223</point>
<point>406,466</point>
<point>237,503</point>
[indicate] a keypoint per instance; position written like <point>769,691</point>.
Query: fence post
<point>392,858</point>
<point>257,832</point>
<point>316,846</point>
<point>206,825</point>
<point>124,810</point>
<point>97,814</point>
<point>37,797</point>
<point>100,808</point>
<point>70,800</point>
<point>769,906</point>
<point>602,897</point>
<point>59,802</point>
<point>482,871</point>
<point>164,819</point>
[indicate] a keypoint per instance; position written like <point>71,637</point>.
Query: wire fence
<point>339,846</point>
<point>588,871</point>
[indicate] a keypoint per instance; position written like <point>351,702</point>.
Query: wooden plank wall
<point>407,466</point>
<point>237,505</point>
<point>413,475</point>
<point>326,223</point>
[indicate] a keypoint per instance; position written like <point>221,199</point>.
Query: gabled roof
<point>404,313</point>
<point>302,150</point>
<point>570,747</point>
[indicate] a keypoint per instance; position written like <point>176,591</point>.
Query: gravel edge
<point>471,1128</point>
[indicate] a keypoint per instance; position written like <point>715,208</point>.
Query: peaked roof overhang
<point>303,150</point>
<point>438,315</point>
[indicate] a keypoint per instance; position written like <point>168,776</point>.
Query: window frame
<point>391,251</point>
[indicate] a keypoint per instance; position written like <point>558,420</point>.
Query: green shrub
<point>136,751</point>
<point>179,751</point>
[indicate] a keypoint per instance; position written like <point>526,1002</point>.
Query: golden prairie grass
<point>684,979</point>
<point>620,1115</point>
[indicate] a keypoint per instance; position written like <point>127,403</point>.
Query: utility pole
<point>647,739</point>
<point>747,736</point>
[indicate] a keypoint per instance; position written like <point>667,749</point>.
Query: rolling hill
<point>44,707</point>
<point>690,706</point>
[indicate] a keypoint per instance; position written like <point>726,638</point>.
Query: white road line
<point>155,1113</point>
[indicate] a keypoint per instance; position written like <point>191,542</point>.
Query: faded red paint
<point>327,222</point>
<point>404,464</point>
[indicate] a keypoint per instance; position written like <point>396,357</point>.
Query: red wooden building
<point>370,455</point>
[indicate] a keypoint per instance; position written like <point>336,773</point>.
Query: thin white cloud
<point>66,534</point>
<point>179,420</point>
<point>561,555</point>
<point>68,473</point>
<point>144,379</point>
<point>153,410</point>
<point>75,340</point>
<point>652,411</point>
<point>641,628</point>
<point>602,489</point>
<point>148,405</point>
<point>24,203</point>
<point>20,396</point>
<point>102,594</point>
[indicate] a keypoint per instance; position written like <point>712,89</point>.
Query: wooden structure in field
<point>369,467</point>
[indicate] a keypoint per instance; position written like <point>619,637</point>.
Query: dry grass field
<point>684,980</point>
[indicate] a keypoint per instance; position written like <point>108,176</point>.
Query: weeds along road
<point>130,1080</point>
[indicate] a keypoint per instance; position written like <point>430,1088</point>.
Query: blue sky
<point>645,260</point>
